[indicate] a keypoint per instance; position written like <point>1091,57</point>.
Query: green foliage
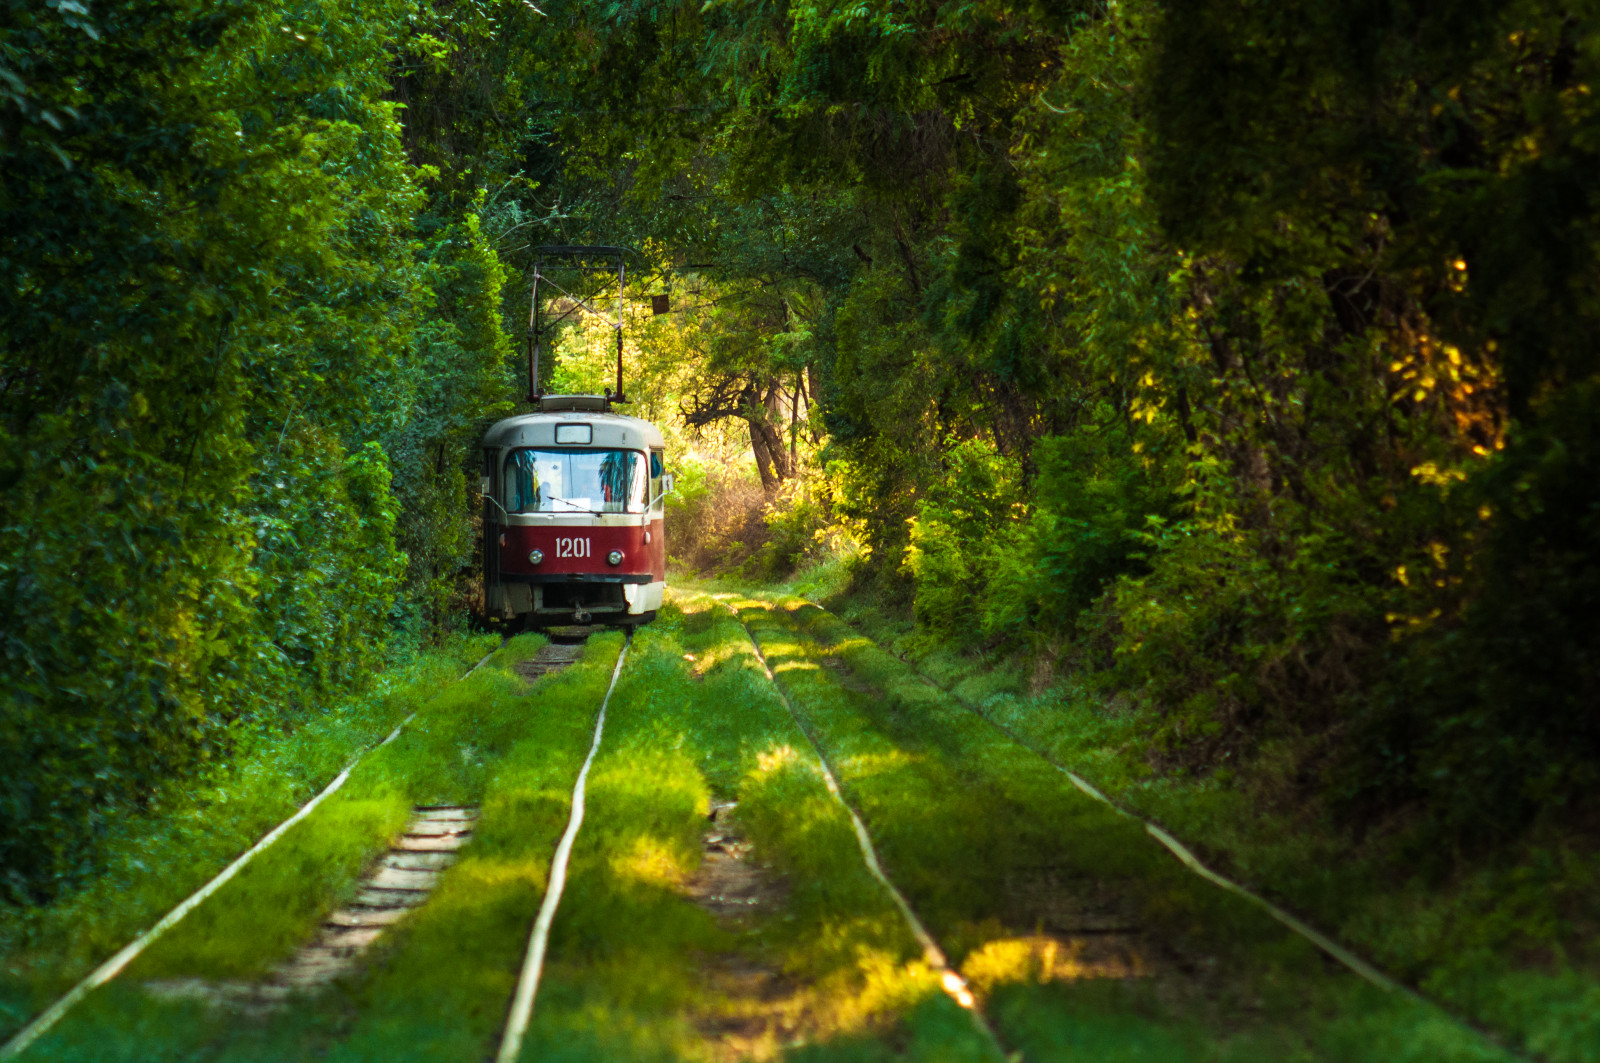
<point>454,379</point>
<point>986,565</point>
<point>1243,354</point>
<point>1273,329</point>
<point>216,276</point>
<point>953,542</point>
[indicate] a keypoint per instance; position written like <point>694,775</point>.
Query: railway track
<point>717,844</point>
<point>1334,950</point>
<point>396,883</point>
<point>111,968</point>
<point>539,939</point>
<point>950,979</point>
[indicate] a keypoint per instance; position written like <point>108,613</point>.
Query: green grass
<point>155,860</point>
<point>441,986</point>
<point>1509,939</point>
<point>962,814</point>
<point>962,817</point>
<point>275,904</point>
<point>272,906</point>
<point>695,717</point>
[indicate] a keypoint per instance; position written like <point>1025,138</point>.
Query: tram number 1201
<point>572,548</point>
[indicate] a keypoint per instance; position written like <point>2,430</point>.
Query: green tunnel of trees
<point>1245,356</point>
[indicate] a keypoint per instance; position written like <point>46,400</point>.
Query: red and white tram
<point>574,498</point>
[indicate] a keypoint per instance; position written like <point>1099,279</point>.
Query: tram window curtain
<point>619,480</point>
<point>524,482</point>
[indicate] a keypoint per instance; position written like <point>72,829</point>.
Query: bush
<point>715,517</point>
<point>986,565</point>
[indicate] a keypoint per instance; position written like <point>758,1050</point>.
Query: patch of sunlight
<point>691,606</point>
<point>794,666</point>
<point>878,988</point>
<point>481,872</point>
<point>709,659</point>
<point>1040,958</point>
<point>777,759</point>
<point>869,764</point>
<point>647,861</point>
<point>858,642</point>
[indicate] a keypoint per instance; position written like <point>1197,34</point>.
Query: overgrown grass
<point>1510,938</point>
<point>155,860</point>
<point>442,984</point>
<point>633,962</point>
<point>272,906</point>
<point>964,816</point>
<point>443,757</point>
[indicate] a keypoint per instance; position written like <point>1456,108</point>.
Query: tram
<point>574,493</point>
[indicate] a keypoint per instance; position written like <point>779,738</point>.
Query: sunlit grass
<point>639,971</point>
<point>963,816</point>
<point>634,971</point>
<point>273,906</point>
<point>446,755</point>
<point>1466,942</point>
<point>1041,958</point>
<point>440,988</point>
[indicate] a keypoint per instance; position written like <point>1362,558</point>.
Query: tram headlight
<point>614,557</point>
<point>535,556</point>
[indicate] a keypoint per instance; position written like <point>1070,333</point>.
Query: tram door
<point>493,594</point>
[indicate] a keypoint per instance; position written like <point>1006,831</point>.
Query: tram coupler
<point>581,617</point>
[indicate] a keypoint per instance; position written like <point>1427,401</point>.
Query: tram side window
<point>575,481</point>
<point>656,471</point>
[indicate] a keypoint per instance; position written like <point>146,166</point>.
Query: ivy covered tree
<point>228,330</point>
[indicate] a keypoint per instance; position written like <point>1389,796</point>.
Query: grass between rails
<point>442,984</point>
<point>988,841</point>
<point>155,860</point>
<point>1511,939</point>
<point>445,756</point>
<point>638,971</point>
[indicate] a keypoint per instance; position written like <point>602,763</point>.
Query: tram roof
<point>539,429</point>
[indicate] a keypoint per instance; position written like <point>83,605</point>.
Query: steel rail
<point>516,1028</point>
<point>950,980</point>
<point>1331,948</point>
<point>108,970</point>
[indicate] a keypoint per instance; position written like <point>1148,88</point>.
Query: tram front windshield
<point>575,481</point>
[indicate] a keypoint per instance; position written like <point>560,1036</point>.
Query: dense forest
<point>1240,358</point>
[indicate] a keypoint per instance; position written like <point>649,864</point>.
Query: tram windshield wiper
<point>574,505</point>
<point>568,480</point>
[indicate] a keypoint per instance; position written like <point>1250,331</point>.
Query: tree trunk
<point>794,427</point>
<point>766,437</point>
<point>812,389</point>
<point>770,481</point>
